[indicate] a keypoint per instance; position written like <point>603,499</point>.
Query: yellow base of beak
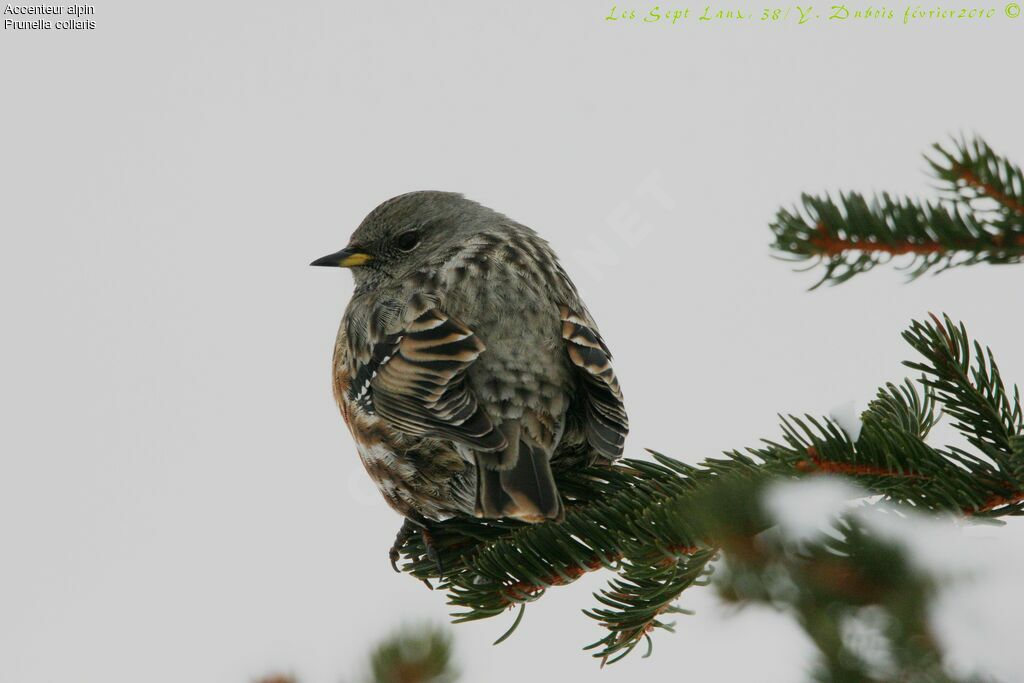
<point>356,259</point>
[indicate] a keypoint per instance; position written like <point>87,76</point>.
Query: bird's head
<point>408,233</point>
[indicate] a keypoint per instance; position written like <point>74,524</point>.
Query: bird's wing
<point>415,379</point>
<point>606,421</point>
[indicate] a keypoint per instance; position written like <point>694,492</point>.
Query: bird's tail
<point>517,482</point>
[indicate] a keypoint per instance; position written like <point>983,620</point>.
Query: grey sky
<point>179,499</point>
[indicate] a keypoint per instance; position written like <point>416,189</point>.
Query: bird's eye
<point>407,241</point>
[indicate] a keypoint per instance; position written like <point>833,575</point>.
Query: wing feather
<point>606,421</point>
<point>416,379</point>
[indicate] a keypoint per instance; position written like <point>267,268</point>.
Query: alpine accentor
<point>466,363</point>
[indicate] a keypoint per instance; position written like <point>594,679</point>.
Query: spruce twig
<point>978,219</point>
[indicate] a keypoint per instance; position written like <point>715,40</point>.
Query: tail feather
<point>523,489</point>
<point>505,458</point>
<point>531,486</point>
<point>491,499</point>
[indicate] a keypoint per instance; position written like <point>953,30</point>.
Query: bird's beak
<point>346,258</point>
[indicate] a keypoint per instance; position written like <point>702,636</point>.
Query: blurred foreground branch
<point>412,654</point>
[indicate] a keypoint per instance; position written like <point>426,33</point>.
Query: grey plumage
<point>466,343</point>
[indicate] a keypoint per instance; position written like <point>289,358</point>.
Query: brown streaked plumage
<point>419,478</point>
<point>466,363</point>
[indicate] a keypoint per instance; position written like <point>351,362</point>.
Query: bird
<point>466,365</point>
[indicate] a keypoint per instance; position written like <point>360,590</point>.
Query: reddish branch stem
<point>827,245</point>
<point>968,177</point>
<point>517,592</point>
<point>819,464</point>
<point>996,502</point>
<point>832,246</point>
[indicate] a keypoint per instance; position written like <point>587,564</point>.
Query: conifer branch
<point>979,219</point>
<point>658,529</point>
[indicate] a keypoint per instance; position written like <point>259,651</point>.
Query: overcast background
<point>179,498</point>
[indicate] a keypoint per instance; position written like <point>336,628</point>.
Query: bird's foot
<point>408,529</point>
<point>432,554</point>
